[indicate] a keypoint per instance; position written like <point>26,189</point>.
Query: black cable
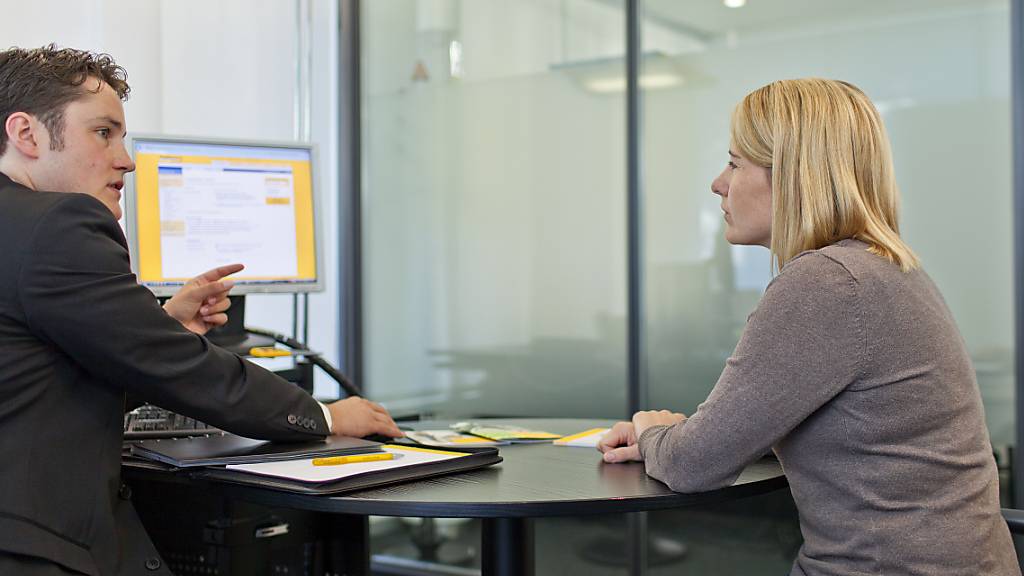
<point>342,380</point>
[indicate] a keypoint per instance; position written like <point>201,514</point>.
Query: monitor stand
<point>232,336</point>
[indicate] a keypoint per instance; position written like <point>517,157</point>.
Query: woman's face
<point>746,191</point>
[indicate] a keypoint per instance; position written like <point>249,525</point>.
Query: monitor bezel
<point>241,287</point>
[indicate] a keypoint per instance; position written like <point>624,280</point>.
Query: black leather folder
<point>223,449</point>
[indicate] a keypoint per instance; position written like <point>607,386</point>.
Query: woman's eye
<point>733,165</point>
<point>104,132</point>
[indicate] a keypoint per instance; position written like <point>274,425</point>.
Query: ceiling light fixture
<point>734,3</point>
<point>610,85</point>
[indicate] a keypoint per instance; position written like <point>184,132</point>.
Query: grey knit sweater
<point>855,374</point>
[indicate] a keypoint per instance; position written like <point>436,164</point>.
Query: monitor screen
<point>195,204</point>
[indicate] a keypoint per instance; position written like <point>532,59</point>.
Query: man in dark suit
<point>77,331</point>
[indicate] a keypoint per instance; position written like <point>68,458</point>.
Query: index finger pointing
<point>220,272</point>
<point>215,288</point>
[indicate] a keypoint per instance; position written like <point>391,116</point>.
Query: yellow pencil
<point>332,460</point>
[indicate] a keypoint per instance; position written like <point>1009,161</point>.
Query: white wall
<point>223,68</point>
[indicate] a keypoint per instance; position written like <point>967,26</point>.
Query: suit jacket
<point>77,332</point>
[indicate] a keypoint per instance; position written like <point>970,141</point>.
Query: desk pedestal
<point>507,547</point>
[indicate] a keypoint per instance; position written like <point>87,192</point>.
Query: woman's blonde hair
<point>831,167</point>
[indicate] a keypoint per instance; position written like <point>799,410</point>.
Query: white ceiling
<point>711,18</point>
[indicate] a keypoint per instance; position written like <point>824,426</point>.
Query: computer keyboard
<point>150,421</point>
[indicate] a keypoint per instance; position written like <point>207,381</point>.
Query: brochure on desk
<point>408,465</point>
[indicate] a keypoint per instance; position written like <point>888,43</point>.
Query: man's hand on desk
<point>620,443</point>
<point>202,302</point>
<point>355,416</point>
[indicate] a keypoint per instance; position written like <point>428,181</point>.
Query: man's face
<point>93,159</point>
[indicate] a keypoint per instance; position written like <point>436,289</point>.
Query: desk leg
<point>507,547</point>
<point>348,544</point>
<point>638,539</point>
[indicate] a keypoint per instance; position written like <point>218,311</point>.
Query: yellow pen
<point>268,352</point>
<point>333,460</point>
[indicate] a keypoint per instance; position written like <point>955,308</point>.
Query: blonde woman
<point>851,368</point>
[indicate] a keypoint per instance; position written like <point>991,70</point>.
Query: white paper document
<point>304,470</point>
<point>585,439</point>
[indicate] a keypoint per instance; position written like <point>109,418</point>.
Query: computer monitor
<point>197,203</point>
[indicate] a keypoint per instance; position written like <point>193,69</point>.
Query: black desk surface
<point>534,480</point>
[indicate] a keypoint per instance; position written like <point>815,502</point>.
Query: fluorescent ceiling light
<point>734,3</point>
<point>612,84</point>
<point>655,81</point>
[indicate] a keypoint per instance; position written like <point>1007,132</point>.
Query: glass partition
<point>493,214</point>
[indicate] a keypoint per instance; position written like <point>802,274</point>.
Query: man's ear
<point>24,132</point>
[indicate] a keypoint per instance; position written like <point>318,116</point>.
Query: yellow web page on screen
<point>197,212</point>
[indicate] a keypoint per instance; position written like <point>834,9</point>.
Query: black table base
<point>508,543</point>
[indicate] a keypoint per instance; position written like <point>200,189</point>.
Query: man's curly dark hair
<point>43,81</point>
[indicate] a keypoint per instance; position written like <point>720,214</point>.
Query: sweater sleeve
<point>801,347</point>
